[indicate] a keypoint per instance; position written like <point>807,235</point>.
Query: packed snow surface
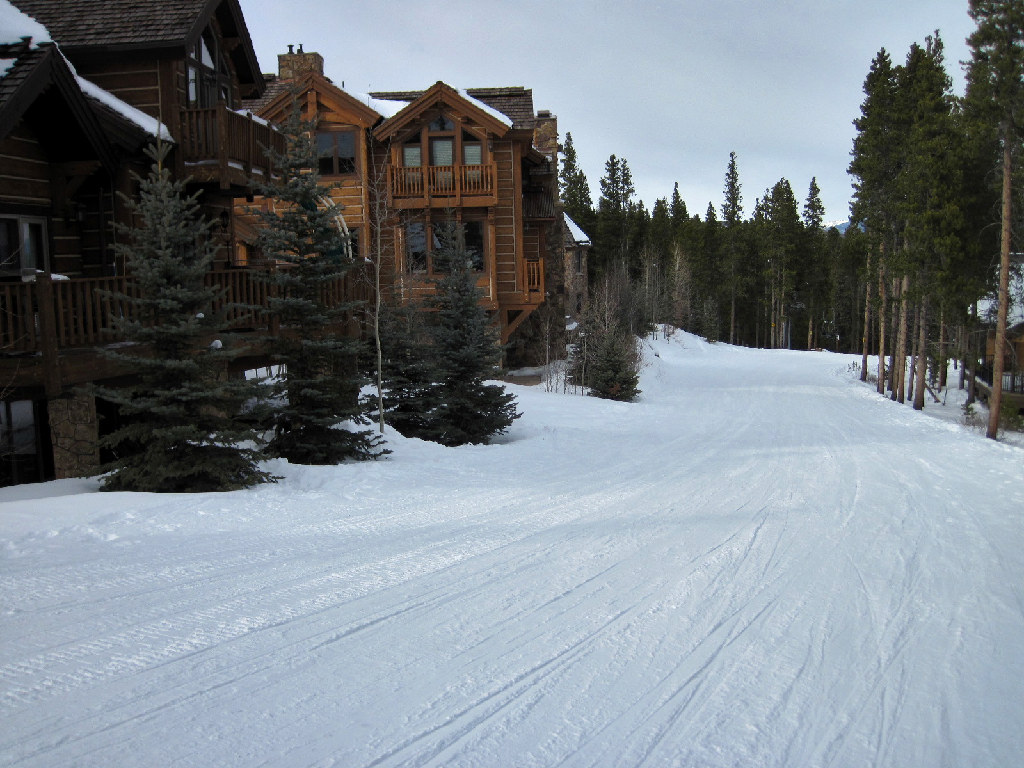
<point>760,563</point>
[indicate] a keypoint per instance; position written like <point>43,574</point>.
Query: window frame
<point>337,167</point>
<point>23,225</point>
<point>424,264</point>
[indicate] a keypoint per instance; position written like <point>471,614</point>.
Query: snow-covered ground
<point>761,563</point>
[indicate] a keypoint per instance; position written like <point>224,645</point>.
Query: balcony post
<point>220,116</point>
<point>48,335</point>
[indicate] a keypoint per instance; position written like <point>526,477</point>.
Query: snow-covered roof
<point>386,108</point>
<point>15,26</point>
<point>147,123</point>
<point>500,116</point>
<point>577,234</point>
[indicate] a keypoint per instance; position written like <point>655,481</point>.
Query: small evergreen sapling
<point>181,429</point>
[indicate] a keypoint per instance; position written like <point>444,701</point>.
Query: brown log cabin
<point>403,163</point>
<point>74,122</point>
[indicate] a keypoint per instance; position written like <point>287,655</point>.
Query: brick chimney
<point>295,63</point>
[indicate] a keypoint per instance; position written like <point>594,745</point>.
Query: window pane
<point>35,246</point>
<point>412,157</point>
<point>193,85</point>
<point>442,123</point>
<point>325,153</point>
<point>474,237</point>
<point>346,148</point>
<point>10,245</point>
<point>416,247</point>
<point>442,152</point>
<point>472,154</point>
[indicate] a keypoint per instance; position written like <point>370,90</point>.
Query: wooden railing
<point>535,275</point>
<point>442,181</point>
<point>227,140</point>
<point>1013,380</point>
<point>82,312</point>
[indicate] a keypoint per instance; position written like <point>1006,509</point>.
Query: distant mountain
<point>841,225</point>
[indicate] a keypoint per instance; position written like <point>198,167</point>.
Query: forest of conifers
<point>929,222</point>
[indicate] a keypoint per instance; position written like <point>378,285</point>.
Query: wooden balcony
<point>222,146</point>
<point>443,186</point>
<point>50,329</point>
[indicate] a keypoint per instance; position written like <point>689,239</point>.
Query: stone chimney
<point>295,63</point>
<point>545,134</point>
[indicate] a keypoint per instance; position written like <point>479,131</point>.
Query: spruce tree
<point>408,370</point>
<point>998,70</point>
<point>732,213</point>
<point>319,384</point>
<point>465,409</point>
<point>181,428</point>
<point>573,187</point>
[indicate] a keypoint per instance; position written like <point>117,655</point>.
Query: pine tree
<point>607,360</point>
<point>573,187</point>
<point>611,242</point>
<point>408,370</point>
<point>319,385</point>
<point>732,213</point>
<point>466,352</point>
<point>998,59</point>
<point>182,429</point>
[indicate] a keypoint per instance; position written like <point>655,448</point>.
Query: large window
<point>22,245</point>
<point>424,239</point>
<point>209,79</point>
<point>337,152</point>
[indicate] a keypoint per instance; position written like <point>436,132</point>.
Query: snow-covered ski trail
<point>760,563</point>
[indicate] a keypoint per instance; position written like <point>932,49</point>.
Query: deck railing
<point>442,181</point>
<point>1013,380</point>
<point>82,312</point>
<point>226,139</point>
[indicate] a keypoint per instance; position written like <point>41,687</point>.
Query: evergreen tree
<point>611,242</point>
<point>815,269</point>
<point>466,352</point>
<point>732,213</point>
<point>319,385</point>
<point>181,429</point>
<point>998,61</point>
<point>573,187</point>
<point>408,370</point>
<point>606,359</point>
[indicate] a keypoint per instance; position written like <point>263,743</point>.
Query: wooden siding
<point>24,170</point>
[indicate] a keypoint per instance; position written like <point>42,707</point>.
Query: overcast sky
<point>673,87</point>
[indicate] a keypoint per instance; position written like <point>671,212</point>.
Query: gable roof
<point>439,93</point>
<point>514,102</point>
<point>42,73</point>
<point>82,27</point>
<point>277,107</point>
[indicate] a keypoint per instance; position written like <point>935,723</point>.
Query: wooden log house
<point>404,163</point>
<point>73,124</point>
<point>74,121</point>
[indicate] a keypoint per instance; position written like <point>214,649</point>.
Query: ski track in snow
<point>760,563</point>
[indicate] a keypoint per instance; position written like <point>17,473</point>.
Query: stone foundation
<point>74,431</point>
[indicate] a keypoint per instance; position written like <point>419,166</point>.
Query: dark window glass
<point>473,232</point>
<point>337,152</point>
<point>416,247</point>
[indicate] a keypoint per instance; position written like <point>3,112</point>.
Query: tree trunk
<point>881,327</point>
<point>867,324</point>
<point>900,361</point>
<point>922,356</point>
<point>943,358</point>
<point>915,355</point>
<point>996,400</point>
